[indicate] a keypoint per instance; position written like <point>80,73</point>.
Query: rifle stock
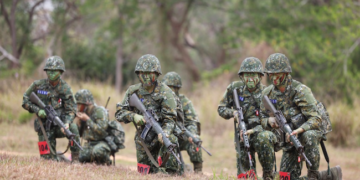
<point>284,126</point>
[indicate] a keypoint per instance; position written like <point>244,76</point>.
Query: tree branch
<point>31,12</point>
<point>8,55</point>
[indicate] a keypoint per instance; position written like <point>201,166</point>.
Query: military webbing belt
<point>148,152</point>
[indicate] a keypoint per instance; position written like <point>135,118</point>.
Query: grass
<point>19,141</point>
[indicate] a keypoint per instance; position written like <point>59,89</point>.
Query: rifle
<point>197,141</point>
<point>242,126</point>
<point>53,117</point>
<point>285,127</point>
<point>151,123</point>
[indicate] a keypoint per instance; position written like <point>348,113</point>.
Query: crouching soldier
<point>173,80</point>
<point>159,101</point>
<point>55,92</point>
<point>93,127</point>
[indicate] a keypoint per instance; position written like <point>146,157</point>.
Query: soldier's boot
<point>268,175</point>
<point>75,157</point>
<point>313,175</point>
<point>198,167</point>
<point>335,174</point>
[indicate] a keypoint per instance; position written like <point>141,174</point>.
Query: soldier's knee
<point>310,138</point>
<point>266,138</point>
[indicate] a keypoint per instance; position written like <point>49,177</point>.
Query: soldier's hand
<point>160,137</point>
<point>191,139</point>
<point>248,133</point>
<point>139,119</point>
<point>297,131</point>
<point>294,133</point>
<point>66,127</point>
<point>236,115</point>
<point>42,113</point>
<point>82,116</point>
<point>272,122</point>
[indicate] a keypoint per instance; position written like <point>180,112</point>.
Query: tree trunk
<point>119,63</point>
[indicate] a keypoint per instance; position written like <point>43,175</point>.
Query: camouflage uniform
<point>96,148</point>
<point>61,99</point>
<point>191,121</point>
<point>260,141</point>
<point>298,105</point>
<point>163,104</point>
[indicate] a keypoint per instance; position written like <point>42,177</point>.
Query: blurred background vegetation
<point>205,41</point>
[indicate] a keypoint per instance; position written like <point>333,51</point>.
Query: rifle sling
<point>166,158</point>
<point>45,135</point>
<point>323,148</point>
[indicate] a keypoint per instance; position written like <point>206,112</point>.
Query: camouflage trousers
<point>158,151</point>
<point>55,132</point>
<point>195,156</point>
<point>262,143</point>
<point>95,151</point>
<point>289,160</point>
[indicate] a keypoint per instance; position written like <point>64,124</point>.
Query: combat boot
<point>313,175</point>
<point>198,167</point>
<point>268,175</point>
<point>335,174</point>
<point>75,157</point>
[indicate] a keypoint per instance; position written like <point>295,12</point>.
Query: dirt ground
<point>21,140</point>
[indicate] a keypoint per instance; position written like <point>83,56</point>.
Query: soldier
<point>158,98</point>
<point>249,91</point>
<point>94,122</point>
<point>173,80</point>
<point>56,92</point>
<point>298,105</point>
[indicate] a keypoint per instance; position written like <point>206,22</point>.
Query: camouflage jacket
<point>190,116</point>
<point>297,102</point>
<point>96,126</point>
<point>250,103</point>
<point>59,97</point>
<point>161,101</point>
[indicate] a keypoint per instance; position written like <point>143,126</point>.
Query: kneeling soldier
<point>94,121</point>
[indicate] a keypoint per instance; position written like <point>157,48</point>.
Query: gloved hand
<point>42,113</point>
<point>161,138</point>
<point>248,132</point>
<point>295,132</point>
<point>66,127</point>
<point>272,122</point>
<point>139,119</point>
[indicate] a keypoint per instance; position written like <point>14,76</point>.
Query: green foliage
<point>315,37</point>
<point>25,117</point>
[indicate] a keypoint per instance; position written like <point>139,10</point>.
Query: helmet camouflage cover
<point>277,63</point>
<point>54,63</point>
<point>148,63</point>
<point>251,65</point>
<point>172,79</point>
<point>84,96</point>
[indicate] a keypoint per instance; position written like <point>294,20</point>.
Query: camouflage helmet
<point>148,63</point>
<point>54,63</point>
<point>251,65</point>
<point>277,63</point>
<point>172,79</point>
<point>84,96</point>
